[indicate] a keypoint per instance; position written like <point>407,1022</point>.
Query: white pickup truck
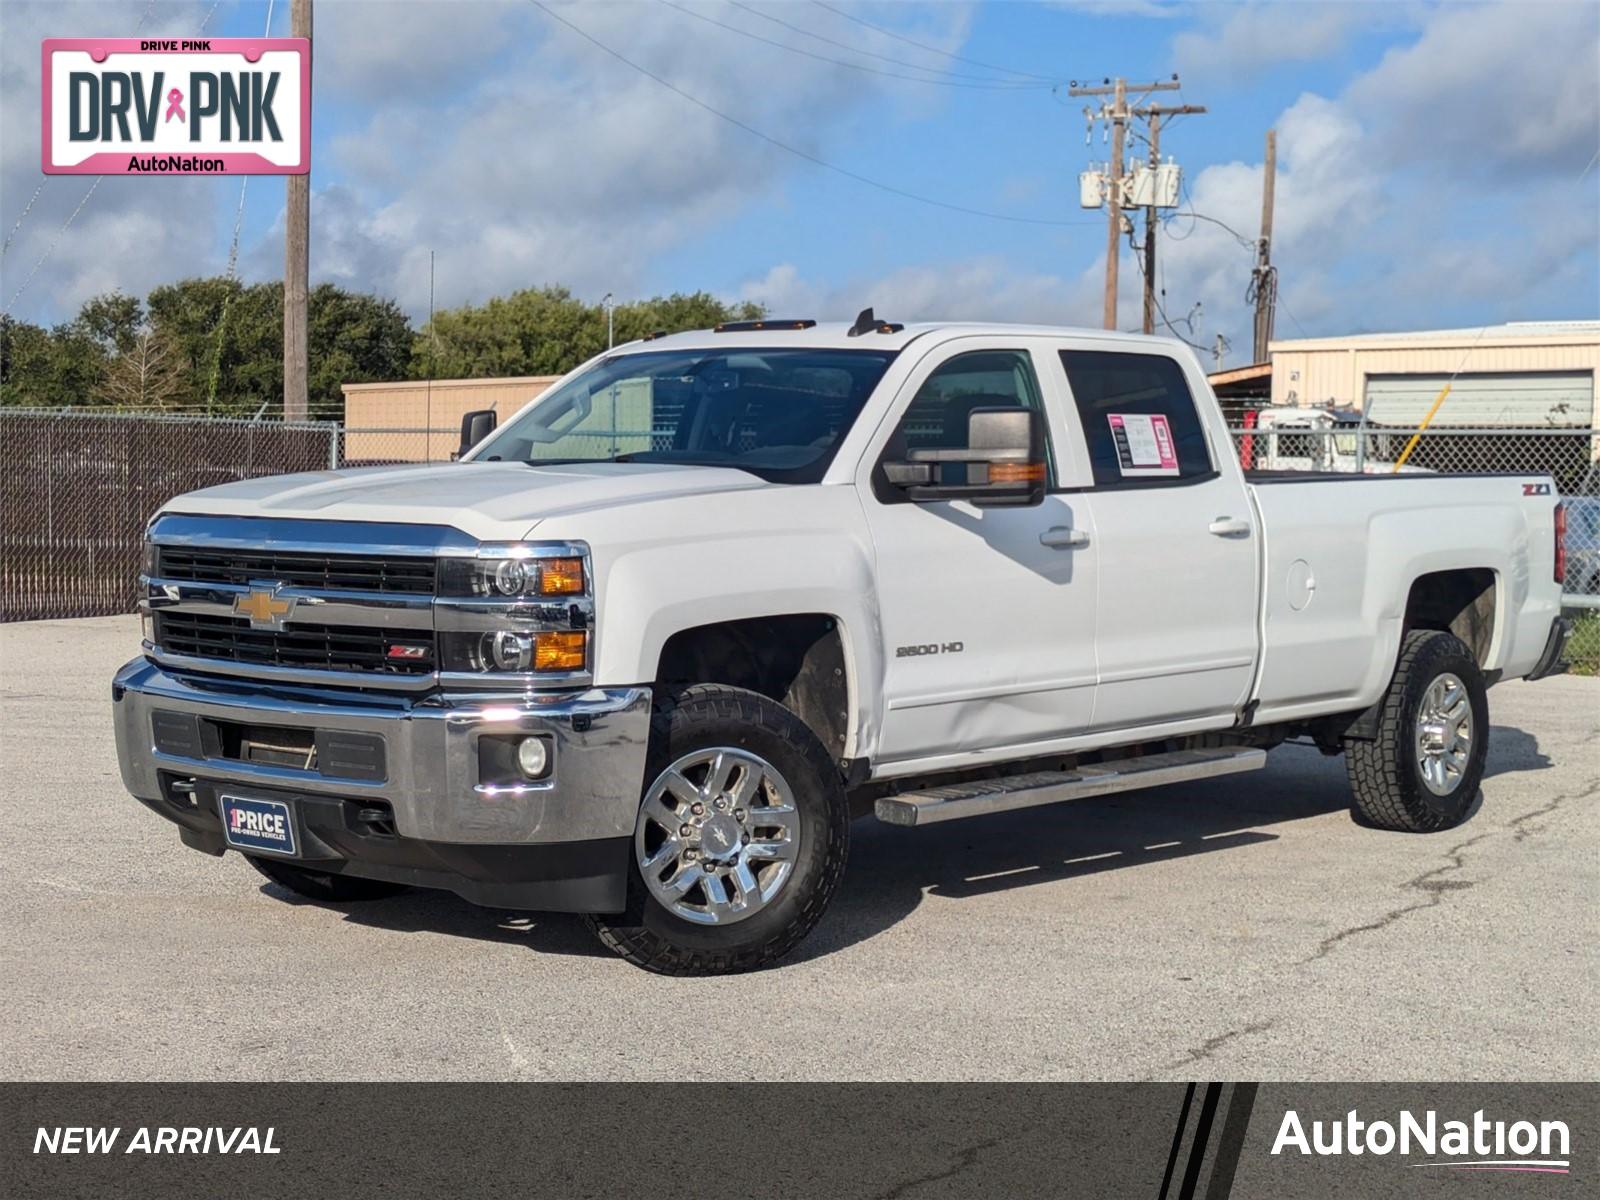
<point>651,644</point>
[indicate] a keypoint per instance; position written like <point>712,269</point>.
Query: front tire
<point>1421,773</point>
<point>323,886</point>
<point>741,839</point>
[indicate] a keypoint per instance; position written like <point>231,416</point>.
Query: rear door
<point>1177,541</point>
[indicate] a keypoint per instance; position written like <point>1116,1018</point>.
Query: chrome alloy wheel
<point>1444,734</point>
<point>718,835</point>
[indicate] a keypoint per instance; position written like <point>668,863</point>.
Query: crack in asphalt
<point>1516,825</point>
<point>1429,883</point>
<point>1212,1044</point>
<point>965,1159</point>
<point>1433,884</point>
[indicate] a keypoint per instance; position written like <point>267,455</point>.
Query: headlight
<point>521,571</point>
<point>556,652</point>
<point>516,608</point>
<point>148,564</point>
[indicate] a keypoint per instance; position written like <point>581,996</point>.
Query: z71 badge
<point>1536,489</point>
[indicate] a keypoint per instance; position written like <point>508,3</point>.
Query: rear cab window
<point>1140,424</point>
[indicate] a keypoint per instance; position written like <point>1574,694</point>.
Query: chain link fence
<point>78,487</point>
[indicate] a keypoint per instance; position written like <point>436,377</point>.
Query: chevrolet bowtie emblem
<point>265,608</point>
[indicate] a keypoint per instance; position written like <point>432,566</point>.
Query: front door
<point>988,613</point>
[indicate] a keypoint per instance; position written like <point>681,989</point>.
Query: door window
<point>937,416</point>
<point>1139,420</point>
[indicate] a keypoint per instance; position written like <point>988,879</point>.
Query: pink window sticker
<point>175,106</point>
<point>1144,444</point>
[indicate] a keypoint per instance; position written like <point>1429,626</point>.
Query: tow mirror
<point>1001,464</point>
<point>476,426</point>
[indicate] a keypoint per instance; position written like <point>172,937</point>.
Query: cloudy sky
<point>1436,161</point>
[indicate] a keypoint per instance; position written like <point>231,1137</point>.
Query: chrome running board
<point>957,800</point>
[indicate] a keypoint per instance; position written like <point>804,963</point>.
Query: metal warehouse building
<point>1528,374</point>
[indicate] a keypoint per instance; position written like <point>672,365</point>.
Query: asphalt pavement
<point>1240,928</point>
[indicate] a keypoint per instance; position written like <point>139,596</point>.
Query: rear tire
<point>323,886</point>
<point>1421,773</point>
<point>759,774</point>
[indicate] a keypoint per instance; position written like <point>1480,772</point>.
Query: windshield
<point>777,413</point>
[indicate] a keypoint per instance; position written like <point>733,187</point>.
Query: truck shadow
<point>891,870</point>
<point>1512,750</point>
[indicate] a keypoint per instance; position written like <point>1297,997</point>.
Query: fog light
<point>532,757</point>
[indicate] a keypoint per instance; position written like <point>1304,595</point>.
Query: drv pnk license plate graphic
<point>205,106</point>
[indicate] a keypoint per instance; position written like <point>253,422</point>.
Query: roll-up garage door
<point>1520,399</point>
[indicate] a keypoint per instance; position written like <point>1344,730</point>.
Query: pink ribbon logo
<point>175,105</point>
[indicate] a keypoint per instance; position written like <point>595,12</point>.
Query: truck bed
<point>1338,566</point>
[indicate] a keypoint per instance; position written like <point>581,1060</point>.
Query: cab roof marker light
<point>762,325</point>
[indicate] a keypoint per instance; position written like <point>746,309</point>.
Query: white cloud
<point>519,151</point>
<point>1235,42</point>
<point>1490,88</point>
<point>130,231</point>
<point>972,289</point>
<point>1371,230</point>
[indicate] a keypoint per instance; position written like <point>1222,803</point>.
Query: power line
<point>900,37</point>
<point>67,224</point>
<point>1247,243</point>
<point>26,208</point>
<point>898,62</point>
<point>143,17</point>
<point>785,146</point>
<point>995,86</point>
<point>54,242</point>
<point>1165,320</point>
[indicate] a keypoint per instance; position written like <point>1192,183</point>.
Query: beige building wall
<point>1321,371</point>
<point>413,421</point>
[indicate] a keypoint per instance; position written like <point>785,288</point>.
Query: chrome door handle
<point>1229,527</point>
<point>1062,538</point>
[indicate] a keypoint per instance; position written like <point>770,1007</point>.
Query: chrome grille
<point>298,644</point>
<point>320,572</point>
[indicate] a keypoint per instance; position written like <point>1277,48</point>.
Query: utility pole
<point>296,261</point>
<point>1264,278</point>
<point>1152,113</point>
<point>1117,114</point>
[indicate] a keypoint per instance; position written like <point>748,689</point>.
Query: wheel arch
<point>1464,601</point>
<point>800,660</point>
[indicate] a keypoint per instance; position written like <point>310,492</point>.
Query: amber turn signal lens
<point>561,576</point>
<point>1016,472</point>
<point>560,651</point>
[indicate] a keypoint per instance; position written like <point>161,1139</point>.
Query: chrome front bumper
<point>431,776</point>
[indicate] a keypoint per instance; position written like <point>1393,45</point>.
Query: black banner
<point>708,1138</point>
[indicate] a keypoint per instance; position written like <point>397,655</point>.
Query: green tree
<point>352,338</point>
<point>114,320</point>
<point>231,337</point>
<point>234,333</point>
<point>59,368</point>
<point>548,331</point>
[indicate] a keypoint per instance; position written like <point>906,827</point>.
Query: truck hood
<point>491,501</point>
